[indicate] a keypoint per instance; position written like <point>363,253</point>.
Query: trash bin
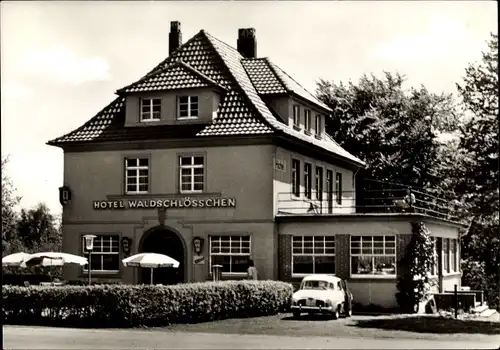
<point>216,272</point>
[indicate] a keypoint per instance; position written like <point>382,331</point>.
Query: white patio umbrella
<point>150,260</point>
<point>54,259</point>
<point>15,259</point>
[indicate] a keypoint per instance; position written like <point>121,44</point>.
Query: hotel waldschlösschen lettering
<point>166,203</point>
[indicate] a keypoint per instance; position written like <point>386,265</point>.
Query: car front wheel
<point>296,315</point>
<point>336,313</point>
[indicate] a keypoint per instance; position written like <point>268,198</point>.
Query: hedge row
<point>142,305</point>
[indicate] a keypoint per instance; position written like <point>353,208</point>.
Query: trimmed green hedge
<point>142,305</point>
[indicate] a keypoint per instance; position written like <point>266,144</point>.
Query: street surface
<point>23,337</point>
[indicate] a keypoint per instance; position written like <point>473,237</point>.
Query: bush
<point>475,277</point>
<point>142,305</point>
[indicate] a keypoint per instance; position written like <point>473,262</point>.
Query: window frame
<point>137,168</point>
<point>307,121</point>
<point>325,238</point>
<point>295,177</point>
<point>230,254</point>
<point>319,183</point>
<point>94,253</point>
<point>151,112</point>
<point>318,126</point>
<point>446,266</point>
<point>435,267</point>
<point>338,187</point>
<point>189,104</point>
<point>308,180</point>
<point>329,190</point>
<point>192,174</point>
<point>372,255</point>
<point>296,116</point>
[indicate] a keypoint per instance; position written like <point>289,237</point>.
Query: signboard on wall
<point>280,165</point>
<point>215,202</point>
<point>198,260</point>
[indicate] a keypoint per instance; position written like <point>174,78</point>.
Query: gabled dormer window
<point>307,121</point>
<point>188,107</point>
<point>150,109</point>
<point>318,125</point>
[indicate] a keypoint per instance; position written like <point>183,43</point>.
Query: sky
<point>62,62</point>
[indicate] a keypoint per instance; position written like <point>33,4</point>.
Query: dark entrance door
<point>163,241</point>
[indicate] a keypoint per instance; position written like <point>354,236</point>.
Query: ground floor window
<point>232,252</point>
<point>373,255</point>
<point>105,255</point>
<point>313,254</point>
<point>434,270</point>
<point>446,255</point>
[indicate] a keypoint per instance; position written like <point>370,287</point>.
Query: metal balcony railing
<point>367,201</point>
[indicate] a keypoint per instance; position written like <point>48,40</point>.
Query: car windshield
<point>311,284</point>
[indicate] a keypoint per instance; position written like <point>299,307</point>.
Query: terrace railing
<point>367,201</point>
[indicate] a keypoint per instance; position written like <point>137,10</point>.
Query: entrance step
<point>480,309</point>
<point>487,313</point>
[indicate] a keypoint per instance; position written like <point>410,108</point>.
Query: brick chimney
<point>247,43</point>
<point>174,37</point>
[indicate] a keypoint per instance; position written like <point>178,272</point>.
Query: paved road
<point>66,338</point>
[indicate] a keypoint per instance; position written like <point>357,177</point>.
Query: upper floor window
<point>150,109</point>
<point>338,187</point>
<point>191,173</point>
<point>319,183</point>
<point>318,125</point>
<point>188,107</point>
<point>307,180</point>
<point>136,175</point>
<point>329,190</point>
<point>307,120</point>
<point>296,177</point>
<point>373,255</point>
<point>296,116</point>
<point>105,254</point>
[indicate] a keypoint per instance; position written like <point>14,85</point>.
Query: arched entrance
<point>163,241</point>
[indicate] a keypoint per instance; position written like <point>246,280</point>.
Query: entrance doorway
<point>163,241</point>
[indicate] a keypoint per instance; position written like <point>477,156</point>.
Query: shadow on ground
<point>308,317</point>
<point>436,325</point>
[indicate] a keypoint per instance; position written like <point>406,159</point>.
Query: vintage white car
<point>325,294</point>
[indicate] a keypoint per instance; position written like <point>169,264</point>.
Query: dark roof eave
<point>351,163</point>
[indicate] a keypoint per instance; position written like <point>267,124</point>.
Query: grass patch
<point>431,324</point>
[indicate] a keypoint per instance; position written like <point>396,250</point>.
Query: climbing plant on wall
<point>414,283</point>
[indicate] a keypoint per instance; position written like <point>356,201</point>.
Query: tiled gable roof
<point>270,79</point>
<point>203,60</point>
<point>178,75</point>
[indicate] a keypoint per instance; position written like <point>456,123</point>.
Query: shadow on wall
<point>431,324</point>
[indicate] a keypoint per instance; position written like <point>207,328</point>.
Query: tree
<point>476,176</point>
<point>396,131</point>
<point>37,229</point>
<point>9,215</point>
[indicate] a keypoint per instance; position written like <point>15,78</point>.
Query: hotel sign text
<point>216,202</point>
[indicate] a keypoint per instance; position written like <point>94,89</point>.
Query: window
<point>319,183</point>
<point>453,255</point>
<point>446,255</point>
<point>188,107</point>
<point>329,190</point>
<point>232,252</point>
<point>150,109</point>
<point>191,174</point>
<point>307,180</point>
<point>307,120</point>
<point>373,255</point>
<point>296,116</point>
<point>313,254</point>
<point>434,270</point>
<point>338,187</point>
<point>317,125</point>
<point>296,177</point>
<point>105,255</point>
<point>136,175</point>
